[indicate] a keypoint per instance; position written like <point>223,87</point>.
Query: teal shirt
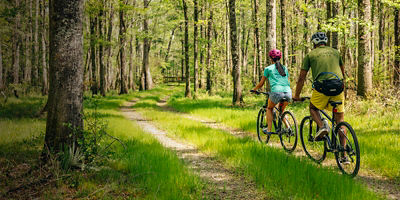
<point>277,82</point>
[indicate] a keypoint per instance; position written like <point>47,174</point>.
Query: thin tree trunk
<point>16,43</point>
<point>209,52</point>
<point>65,101</point>
<point>257,38</point>
<point>45,86</point>
<point>1,68</point>
<point>122,35</point>
<point>28,46</point>
<point>334,35</point>
<point>171,38</point>
<point>107,83</point>
<point>396,75</point>
<point>283,33</point>
<point>237,88</point>
<point>364,50</point>
<point>35,55</point>
<point>187,89</point>
<point>93,80</point>
<point>183,59</point>
<point>101,62</point>
<point>195,50</point>
<point>270,25</point>
<point>146,50</point>
<point>328,17</point>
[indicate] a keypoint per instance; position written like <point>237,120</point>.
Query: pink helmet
<point>275,54</point>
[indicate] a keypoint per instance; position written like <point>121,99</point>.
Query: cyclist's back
<point>323,59</point>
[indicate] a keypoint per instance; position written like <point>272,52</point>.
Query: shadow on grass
<point>26,107</point>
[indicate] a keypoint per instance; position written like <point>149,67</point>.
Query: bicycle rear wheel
<point>261,124</point>
<point>351,164</point>
<point>289,130</point>
<point>316,151</point>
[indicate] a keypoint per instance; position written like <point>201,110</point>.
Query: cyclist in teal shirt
<point>278,77</point>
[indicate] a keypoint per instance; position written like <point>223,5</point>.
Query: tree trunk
<point>148,81</point>
<point>270,25</point>
<point>328,17</point>
<point>35,54</point>
<point>101,48</point>
<point>257,38</point>
<point>285,49</point>
<point>65,101</point>
<point>209,52</point>
<point>28,46</point>
<point>380,32</point>
<point>107,83</point>
<point>305,32</point>
<point>364,50</point>
<point>122,35</point>
<point>237,88</point>
<point>183,59</point>
<point>1,68</point>
<point>334,35</point>
<point>131,66</point>
<point>187,89</point>
<point>171,38</point>
<point>45,86</point>
<point>396,75</point>
<point>195,50</point>
<point>16,44</point>
<point>93,80</point>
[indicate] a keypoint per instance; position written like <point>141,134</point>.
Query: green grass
<point>143,170</point>
<point>377,127</point>
<point>281,175</point>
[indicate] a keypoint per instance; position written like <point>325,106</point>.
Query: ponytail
<point>279,67</point>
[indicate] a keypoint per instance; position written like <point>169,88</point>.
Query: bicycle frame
<point>332,147</point>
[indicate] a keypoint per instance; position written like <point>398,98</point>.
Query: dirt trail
<point>382,185</point>
<point>222,183</point>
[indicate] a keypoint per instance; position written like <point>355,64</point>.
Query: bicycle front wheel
<point>289,130</point>
<point>316,151</point>
<point>262,124</point>
<point>348,156</point>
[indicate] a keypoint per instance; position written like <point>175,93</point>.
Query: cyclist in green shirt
<point>320,60</point>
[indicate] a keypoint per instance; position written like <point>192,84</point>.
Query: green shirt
<point>277,82</point>
<point>323,59</point>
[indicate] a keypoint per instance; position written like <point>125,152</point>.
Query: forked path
<point>222,183</point>
<point>383,185</point>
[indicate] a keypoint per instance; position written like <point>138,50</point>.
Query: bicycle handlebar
<point>259,92</point>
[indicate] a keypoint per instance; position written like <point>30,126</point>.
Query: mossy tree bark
<point>65,100</point>
<point>237,87</point>
<point>364,58</point>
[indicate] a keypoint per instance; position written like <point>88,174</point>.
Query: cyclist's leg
<point>314,112</point>
<point>269,115</point>
<point>339,116</point>
<point>318,102</point>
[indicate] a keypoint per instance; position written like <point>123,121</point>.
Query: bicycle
<point>317,150</point>
<point>285,125</point>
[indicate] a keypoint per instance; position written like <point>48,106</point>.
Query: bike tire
<point>261,123</point>
<point>316,151</point>
<point>352,149</point>
<point>288,137</point>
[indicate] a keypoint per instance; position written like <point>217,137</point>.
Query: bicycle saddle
<point>335,103</point>
<point>284,100</point>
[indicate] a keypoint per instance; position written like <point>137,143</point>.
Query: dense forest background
<point>131,44</point>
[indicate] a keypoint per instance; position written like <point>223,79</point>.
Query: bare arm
<point>260,84</point>
<point>300,84</point>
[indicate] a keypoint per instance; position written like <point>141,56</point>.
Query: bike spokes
<point>288,133</point>
<point>348,156</point>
